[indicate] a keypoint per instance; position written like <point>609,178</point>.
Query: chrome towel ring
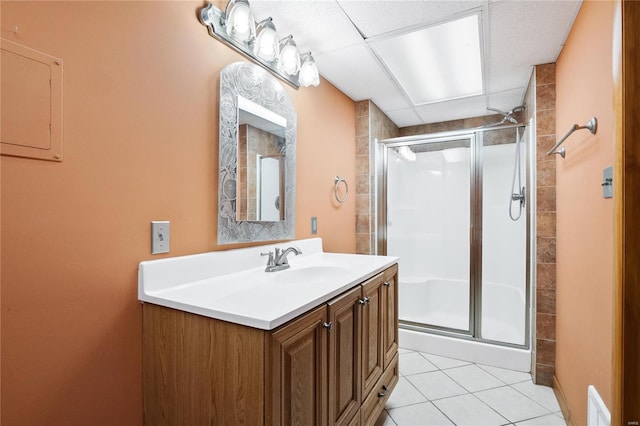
<point>338,180</point>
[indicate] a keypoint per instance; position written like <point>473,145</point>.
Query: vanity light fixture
<point>259,42</point>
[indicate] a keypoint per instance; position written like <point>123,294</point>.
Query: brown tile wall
<point>545,293</point>
<point>371,124</point>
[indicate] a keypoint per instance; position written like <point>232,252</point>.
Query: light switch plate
<point>160,236</point>
<point>314,225</point>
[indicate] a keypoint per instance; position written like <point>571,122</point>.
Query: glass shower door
<point>504,237</point>
<point>429,186</point>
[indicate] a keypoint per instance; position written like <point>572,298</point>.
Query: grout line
<point>447,417</point>
<point>491,408</point>
<point>480,390</point>
<point>533,400</point>
<point>508,384</point>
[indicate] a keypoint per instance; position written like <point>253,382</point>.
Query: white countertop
<point>232,285</point>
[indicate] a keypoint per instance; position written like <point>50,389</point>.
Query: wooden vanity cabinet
<point>296,379</point>
<point>390,313</point>
<point>334,365</point>
<point>345,330</point>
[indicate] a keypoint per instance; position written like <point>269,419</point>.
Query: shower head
<point>508,116</point>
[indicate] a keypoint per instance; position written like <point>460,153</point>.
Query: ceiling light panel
<point>436,63</point>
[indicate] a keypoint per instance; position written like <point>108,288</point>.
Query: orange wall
<point>585,219</point>
<point>140,143</point>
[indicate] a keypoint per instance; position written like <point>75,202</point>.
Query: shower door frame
<point>475,137</point>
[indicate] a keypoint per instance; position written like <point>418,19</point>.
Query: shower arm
<point>592,125</point>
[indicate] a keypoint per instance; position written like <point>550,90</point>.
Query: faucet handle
<point>271,261</point>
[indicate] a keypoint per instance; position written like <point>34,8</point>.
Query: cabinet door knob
<point>327,325</point>
<point>364,301</point>
<point>383,392</point>
<point>387,283</point>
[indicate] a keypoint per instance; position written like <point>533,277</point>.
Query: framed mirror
<point>256,184</point>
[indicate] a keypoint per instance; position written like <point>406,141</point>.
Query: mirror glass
<point>256,184</point>
<point>261,165</point>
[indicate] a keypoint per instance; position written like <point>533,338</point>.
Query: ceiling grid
<point>515,35</point>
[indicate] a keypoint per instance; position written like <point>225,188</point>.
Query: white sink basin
<point>233,286</point>
<point>305,275</point>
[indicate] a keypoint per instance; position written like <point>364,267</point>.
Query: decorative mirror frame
<point>256,84</point>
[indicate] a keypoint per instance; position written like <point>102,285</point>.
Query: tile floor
<point>438,391</point>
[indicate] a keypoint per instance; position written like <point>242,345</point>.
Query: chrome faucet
<point>278,261</point>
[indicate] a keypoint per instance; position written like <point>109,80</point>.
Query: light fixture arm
<point>214,19</point>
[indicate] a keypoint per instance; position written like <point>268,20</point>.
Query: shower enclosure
<point>446,206</point>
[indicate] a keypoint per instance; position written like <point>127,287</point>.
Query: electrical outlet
<point>160,236</point>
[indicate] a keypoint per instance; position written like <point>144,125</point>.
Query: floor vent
<point>598,414</point>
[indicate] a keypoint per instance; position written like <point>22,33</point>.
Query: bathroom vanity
<point>223,343</point>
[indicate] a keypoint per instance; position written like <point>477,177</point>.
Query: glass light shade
<point>239,20</point>
<point>308,71</point>
<point>266,43</point>
<point>289,60</point>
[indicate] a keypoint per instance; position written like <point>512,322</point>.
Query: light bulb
<point>266,45</point>
<point>240,24</point>
<point>289,56</point>
<point>308,71</point>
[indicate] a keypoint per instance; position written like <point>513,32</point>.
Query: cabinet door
<point>373,293</point>
<point>345,315</point>
<point>390,303</point>
<point>296,380</point>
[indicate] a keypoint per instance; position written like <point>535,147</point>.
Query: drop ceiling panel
<point>523,34</point>
<point>520,34</point>
<point>374,18</point>
<point>404,117</point>
<point>356,72</point>
<point>388,96</point>
<point>319,26</point>
<point>453,110</point>
<point>506,100</point>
